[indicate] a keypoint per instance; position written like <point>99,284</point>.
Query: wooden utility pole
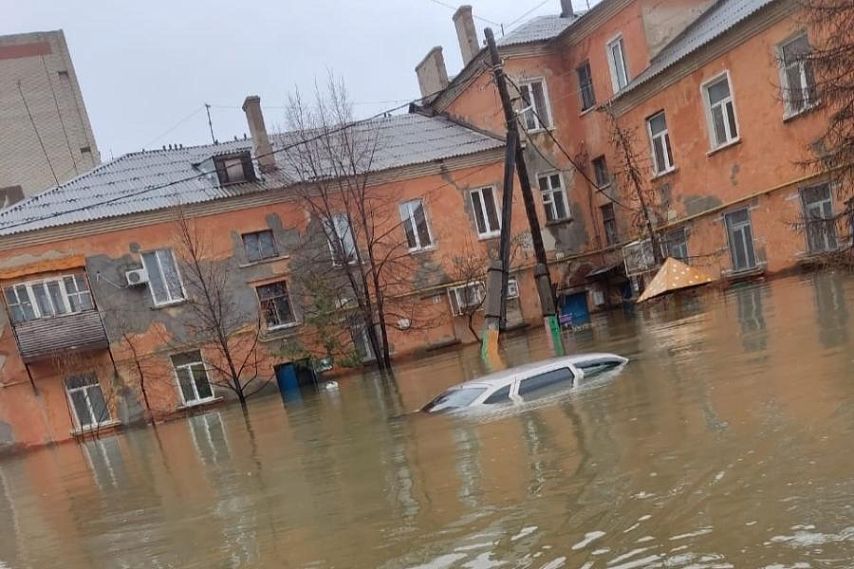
<point>515,153</point>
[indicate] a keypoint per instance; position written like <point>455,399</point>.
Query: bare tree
<point>357,229</point>
<point>633,177</point>
<point>468,269</point>
<point>215,318</point>
<point>823,74</point>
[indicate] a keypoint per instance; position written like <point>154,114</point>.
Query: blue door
<point>286,377</point>
<point>574,311</point>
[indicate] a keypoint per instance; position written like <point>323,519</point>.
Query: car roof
<point>505,376</point>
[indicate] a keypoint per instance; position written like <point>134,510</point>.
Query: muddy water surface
<point>728,441</point>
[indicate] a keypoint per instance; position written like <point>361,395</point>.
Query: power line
<point>36,130</point>
<point>455,8</point>
<point>173,127</point>
<point>59,114</point>
<point>529,12</point>
<point>572,161</point>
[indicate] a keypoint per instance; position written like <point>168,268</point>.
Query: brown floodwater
<point>728,441</point>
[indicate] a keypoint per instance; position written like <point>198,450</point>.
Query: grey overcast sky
<point>145,66</point>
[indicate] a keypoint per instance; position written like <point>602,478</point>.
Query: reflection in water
<point>751,317</point>
<point>831,310</point>
<point>209,437</point>
<point>105,460</point>
<point>693,456</point>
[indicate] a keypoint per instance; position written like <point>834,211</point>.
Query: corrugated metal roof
<point>720,17</point>
<point>537,29</point>
<point>152,180</point>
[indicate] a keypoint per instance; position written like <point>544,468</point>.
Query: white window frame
<point>189,367</point>
<point>97,384</point>
<point>407,215</point>
<point>537,113</point>
<point>65,295</point>
<point>662,138</point>
<point>294,321</point>
<point>157,257</point>
<point>612,64</point>
<point>331,225</point>
<point>548,196</point>
<point>512,288</point>
<point>707,106</point>
<point>454,296</point>
<point>809,102</point>
<point>490,231</point>
<point>261,258</point>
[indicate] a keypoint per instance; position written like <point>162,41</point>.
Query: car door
<point>544,383</point>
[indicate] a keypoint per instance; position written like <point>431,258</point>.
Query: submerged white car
<point>524,383</point>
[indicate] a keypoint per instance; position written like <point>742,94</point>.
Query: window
<point>454,399</point>
<point>500,396</point>
<point>51,297</point>
<point>85,150</point>
<point>617,63</point>
<point>537,384</point>
<point>259,245</point>
<point>609,222</point>
<point>554,197</point>
<point>720,109</point>
<point>234,169</point>
<point>594,368</point>
<point>659,137</point>
<point>415,225</point>
<point>485,212</point>
<point>276,305</point>
<point>798,81</point>
<point>512,288</point>
<point>534,98</point>
<point>466,298</point>
<point>740,235</point>
<point>600,172</point>
<point>819,219</point>
<point>87,400</point>
<point>339,235</point>
<point>675,244</point>
<point>585,86</point>
<point>163,277</point>
<point>192,375</point>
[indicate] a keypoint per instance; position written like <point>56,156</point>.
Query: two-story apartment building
<point>718,102</point>
<point>101,324</point>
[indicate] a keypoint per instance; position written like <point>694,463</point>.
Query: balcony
<point>45,337</point>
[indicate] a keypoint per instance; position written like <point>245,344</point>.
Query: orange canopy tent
<point>672,276</point>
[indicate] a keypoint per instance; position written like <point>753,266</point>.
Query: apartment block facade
<point>720,106</point>
<point>47,138</point>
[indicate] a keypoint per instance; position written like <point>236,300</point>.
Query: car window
<point>454,399</point>
<point>500,396</point>
<point>536,384</point>
<point>596,367</point>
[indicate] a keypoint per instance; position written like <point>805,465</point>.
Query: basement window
<point>235,168</point>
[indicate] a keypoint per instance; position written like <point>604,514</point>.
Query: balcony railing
<point>44,338</point>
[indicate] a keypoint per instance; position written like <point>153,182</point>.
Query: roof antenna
<point>210,123</point>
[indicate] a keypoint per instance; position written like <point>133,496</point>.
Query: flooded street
<point>726,442</point>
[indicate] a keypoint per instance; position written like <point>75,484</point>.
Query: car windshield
<point>454,399</point>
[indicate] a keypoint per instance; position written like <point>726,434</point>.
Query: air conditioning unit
<point>136,277</point>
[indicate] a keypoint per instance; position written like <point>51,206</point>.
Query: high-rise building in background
<point>45,135</point>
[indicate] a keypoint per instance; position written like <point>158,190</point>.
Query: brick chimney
<point>466,33</point>
<point>262,149</point>
<point>432,74</point>
<point>566,10</point>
